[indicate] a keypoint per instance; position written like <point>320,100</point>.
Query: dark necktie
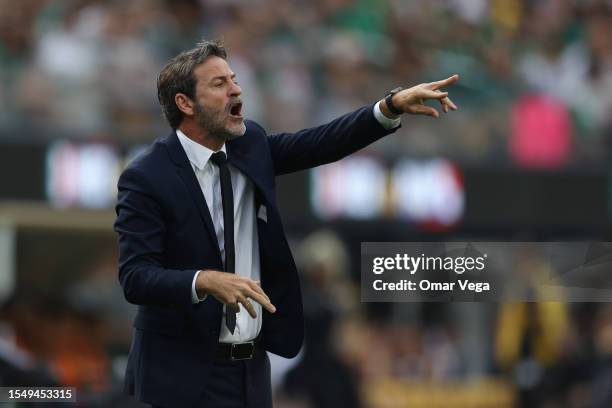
<point>227,199</point>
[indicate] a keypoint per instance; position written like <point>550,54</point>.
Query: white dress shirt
<point>245,230</point>
<point>246,240</point>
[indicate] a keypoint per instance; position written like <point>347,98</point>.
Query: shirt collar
<point>197,154</point>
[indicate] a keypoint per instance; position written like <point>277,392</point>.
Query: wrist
<point>386,111</point>
<point>202,283</point>
<point>391,102</point>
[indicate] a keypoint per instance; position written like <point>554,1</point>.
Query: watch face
<point>393,91</point>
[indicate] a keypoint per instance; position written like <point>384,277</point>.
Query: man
<point>202,250</point>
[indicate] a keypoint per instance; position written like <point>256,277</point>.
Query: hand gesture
<point>231,289</point>
<point>412,100</point>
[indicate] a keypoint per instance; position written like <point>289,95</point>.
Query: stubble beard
<point>214,122</point>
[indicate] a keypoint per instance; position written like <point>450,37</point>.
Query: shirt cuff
<point>194,294</point>
<point>386,122</point>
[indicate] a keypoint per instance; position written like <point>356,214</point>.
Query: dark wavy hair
<point>177,77</point>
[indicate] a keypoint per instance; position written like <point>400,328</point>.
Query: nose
<point>235,90</point>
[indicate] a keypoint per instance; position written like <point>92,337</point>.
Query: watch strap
<point>389,101</point>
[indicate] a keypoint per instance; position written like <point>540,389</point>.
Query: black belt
<point>238,351</point>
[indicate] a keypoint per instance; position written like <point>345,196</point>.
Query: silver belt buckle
<point>242,351</point>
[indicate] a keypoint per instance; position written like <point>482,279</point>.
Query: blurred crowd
<point>535,88</point>
<point>460,354</point>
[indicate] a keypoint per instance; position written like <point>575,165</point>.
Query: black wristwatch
<point>389,101</point>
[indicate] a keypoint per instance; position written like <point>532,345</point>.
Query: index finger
<point>261,299</point>
<point>445,82</point>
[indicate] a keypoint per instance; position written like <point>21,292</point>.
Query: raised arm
<point>353,131</point>
<point>326,143</point>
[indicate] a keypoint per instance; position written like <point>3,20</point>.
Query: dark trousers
<point>238,384</point>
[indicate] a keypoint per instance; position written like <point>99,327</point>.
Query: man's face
<point>218,105</point>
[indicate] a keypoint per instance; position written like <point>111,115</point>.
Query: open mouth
<point>236,110</point>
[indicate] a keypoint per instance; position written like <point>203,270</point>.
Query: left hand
<point>412,100</point>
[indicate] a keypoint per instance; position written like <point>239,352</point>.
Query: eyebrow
<point>223,77</point>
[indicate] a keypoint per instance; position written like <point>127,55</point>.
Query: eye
<point>218,84</point>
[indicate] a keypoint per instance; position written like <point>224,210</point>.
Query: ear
<point>185,104</point>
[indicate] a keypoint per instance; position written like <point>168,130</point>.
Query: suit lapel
<point>239,158</point>
<point>185,171</point>
<point>236,156</point>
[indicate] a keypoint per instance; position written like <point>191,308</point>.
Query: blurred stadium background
<point>526,158</point>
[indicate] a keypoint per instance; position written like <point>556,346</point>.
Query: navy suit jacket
<point>165,234</point>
